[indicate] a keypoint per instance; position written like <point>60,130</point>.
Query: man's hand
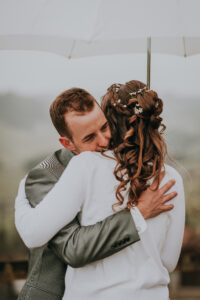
<point>153,202</point>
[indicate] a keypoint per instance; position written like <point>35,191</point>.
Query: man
<point>82,126</point>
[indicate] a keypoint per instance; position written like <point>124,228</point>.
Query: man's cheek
<point>92,147</point>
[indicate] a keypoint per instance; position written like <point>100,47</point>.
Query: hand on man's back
<point>153,201</point>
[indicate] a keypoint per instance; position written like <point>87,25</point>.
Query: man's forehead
<point>73,113</point>
<point>85,123</point>
<point>75,116</point>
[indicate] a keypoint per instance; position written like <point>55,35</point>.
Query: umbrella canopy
<point>77,28</point>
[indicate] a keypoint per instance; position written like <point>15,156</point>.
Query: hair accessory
<point>138,92</point>
<point>117,87</point>
<point>138,109</point>
<point>133,94</point>
<point>118,102</point>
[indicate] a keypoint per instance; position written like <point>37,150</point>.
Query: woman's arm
<point>174,237</point>
<point>166,251</point>
<point>59,207</point>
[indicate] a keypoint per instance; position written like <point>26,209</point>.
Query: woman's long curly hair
<point>136,137</point>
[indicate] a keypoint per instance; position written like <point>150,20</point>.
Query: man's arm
<point>151,203</point>
<point>81,245</point>
<point>77,245</point>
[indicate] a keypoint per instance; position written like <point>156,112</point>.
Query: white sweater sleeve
<point>38,225</point>
<point>174,237</point>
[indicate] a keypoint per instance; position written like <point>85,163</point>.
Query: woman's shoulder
<point>92,156</point>
<point>92,161</point>
<point>172,173</point>
<point>81,166</point>
<point>86,158</point>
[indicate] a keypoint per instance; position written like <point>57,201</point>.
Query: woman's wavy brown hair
<point>136,137</point>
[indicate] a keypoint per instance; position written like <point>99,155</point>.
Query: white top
<point>139,271</point>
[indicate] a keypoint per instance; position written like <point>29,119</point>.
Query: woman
<point>93,181</point>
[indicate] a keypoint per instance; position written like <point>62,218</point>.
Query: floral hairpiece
<point>138,92</point>
<point>138,109</point>
<point>117,87</point>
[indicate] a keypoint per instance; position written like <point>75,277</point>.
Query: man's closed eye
<point>104,127</point>
<point>89,138</point>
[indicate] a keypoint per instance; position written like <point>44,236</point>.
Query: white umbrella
<point>80,28</point>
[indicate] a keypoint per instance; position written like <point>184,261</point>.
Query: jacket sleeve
<point>77,245</point>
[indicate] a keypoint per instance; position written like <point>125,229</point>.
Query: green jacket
<point>73,245</point>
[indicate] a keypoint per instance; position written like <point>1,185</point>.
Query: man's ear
<point>67,143</point>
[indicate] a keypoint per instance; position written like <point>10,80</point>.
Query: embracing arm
<point>58,208</point>
<point>80,245</point>
<point>77,245</point>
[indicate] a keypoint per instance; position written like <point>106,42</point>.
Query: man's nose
<point>103,140</point>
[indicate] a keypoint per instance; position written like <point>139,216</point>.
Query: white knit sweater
<point>140,271</point>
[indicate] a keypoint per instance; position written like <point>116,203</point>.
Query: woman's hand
<point>152,202</point>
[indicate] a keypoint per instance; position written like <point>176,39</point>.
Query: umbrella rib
<point>184,47</point>
<point>72,49</point>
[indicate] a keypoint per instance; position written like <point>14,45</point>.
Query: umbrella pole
<point>149,62</point>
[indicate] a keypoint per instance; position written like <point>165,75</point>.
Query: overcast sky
<point>34,73</point>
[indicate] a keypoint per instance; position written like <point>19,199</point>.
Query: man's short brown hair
<point>74,99</point>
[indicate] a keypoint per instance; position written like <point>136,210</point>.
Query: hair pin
<point>138,92</point>
<point>133,94</point>
<point>138,109</point>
